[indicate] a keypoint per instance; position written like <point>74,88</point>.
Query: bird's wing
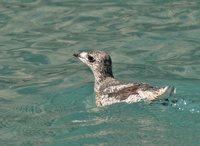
<point>122,92</point>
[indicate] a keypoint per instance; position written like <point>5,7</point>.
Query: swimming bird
<point>110,90</point>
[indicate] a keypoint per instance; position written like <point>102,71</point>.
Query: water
<point>47,97</point>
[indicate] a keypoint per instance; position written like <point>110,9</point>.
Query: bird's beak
<point>76,55</point>
<point>82,55</point>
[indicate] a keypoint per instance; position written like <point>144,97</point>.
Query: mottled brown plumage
<point>124,93</point>
<point>109,90</point>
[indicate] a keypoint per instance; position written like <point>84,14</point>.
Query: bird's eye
<point>91,59</point>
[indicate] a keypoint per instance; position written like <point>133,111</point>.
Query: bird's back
<point>132,92</point>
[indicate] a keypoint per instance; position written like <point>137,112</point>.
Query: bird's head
<point>98,61</point>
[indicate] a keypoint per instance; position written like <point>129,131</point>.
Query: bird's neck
<point>100,77</point>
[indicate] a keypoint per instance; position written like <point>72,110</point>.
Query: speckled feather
<point>109,90</point>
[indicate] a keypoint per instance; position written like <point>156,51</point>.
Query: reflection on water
<point>47,97</point>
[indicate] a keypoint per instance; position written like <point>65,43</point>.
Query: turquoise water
<point>47,97</point>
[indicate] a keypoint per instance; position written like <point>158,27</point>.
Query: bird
<point>109,90</point>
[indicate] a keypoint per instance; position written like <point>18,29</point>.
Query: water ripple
<point>47,96</point>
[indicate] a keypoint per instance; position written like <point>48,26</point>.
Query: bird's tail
<point>168,91</point>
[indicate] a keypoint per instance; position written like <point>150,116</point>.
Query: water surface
<point>47,96</point>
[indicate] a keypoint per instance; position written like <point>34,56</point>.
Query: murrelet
<point>109,90</point>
